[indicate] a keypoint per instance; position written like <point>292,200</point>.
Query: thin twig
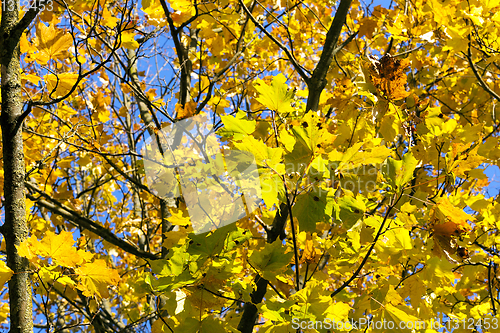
<point>365,259</point>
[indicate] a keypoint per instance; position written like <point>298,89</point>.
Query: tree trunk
<point>15,228</point>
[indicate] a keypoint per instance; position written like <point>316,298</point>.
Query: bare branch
<point>57,208</point>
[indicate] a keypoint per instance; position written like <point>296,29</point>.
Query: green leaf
<point>210,244</point>
<point>399,172</point>
<point>271,260</point>
<point>169,283</point>
<point>237,128</point>
<point>276,97</point>
<point>178,258</point>
<point>351,210</point>
<point>237,237</point>
<point>313,207</point>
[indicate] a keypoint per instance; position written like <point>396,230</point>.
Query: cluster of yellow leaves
<point>154,12</point>
<point>93,276</point>
<point>183,10</point>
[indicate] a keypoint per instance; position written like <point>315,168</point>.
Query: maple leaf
<point>183,10</point>
<point>271,260</point>
<point>388,76</point>
<point>5,272</point>
<point>238,127</point>
<point>353,157</point>
<point>313,207</point>
<point>60,248</point>
<point>25,249</point>
<point>51,43</point>
<point>95,278</point>
<point>154,12</point>
<point>60,84</point>
<point>128,40</point>
<point>187,111</point>
<point>276,97</point>
<point>57,247</point>
<point>449,220</point>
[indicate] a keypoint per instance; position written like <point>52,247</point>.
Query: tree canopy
<point>250,165</point>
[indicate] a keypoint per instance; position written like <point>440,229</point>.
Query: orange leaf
<point>447,229</point>
<point>389,78</point>
<point>189,110</point>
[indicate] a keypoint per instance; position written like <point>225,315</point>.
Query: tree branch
<point>365,259</point>
<point>290,56</point>
<point>26,20</point>
<point>478,77</point>
<point>318,80</point>
<point>57,208</point>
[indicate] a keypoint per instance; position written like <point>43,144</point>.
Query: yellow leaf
<point>454,221</point>
<point>31,78</point>
<point>180,217</point>
<point>128,41</point>
<point>60,248</point>
<point>399,315</point>
<point>368,26</point>
<point>5,273</point>
<point>277,96</point>
<point>108,19</point>
<point>60,84</point>
<point>86,256</point>
<point>25,249</point>
<point>181,5</point>
<point>51,42</point>
<point>66,162</point>
<point>339,311</point>
<point>154,12</point>
<point>52,274</point>
<point>183,10</point>
<point>84,160</point>
<point>96,277</point>
<point>4,313</point>
<point>103,115</point>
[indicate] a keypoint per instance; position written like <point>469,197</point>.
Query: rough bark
<point>15,228</point>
